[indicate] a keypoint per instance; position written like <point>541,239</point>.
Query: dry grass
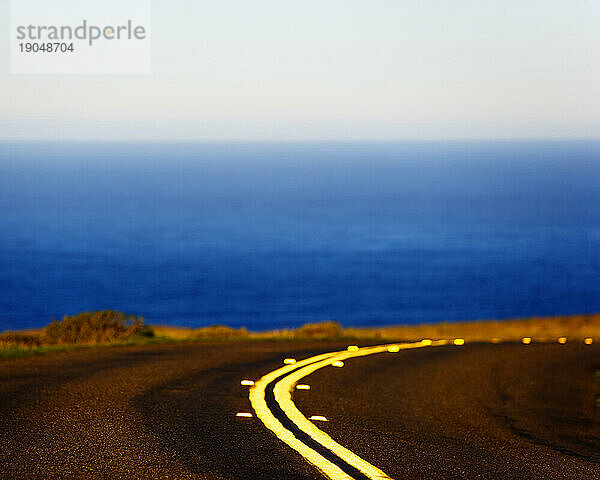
<point>327,329</point>
<point>212,332</point>
<point>543,329</point>
<point>110,327</point>
<point>176,333</point>
<point>20,339</point>
<point>319,330</point>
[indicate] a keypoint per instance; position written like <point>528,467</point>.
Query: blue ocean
<point>271,235</point>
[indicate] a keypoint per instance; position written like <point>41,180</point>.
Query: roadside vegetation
<point>539,329</point>
<point>110,327</point>
<point>95,328</point>
<point>82,330</point>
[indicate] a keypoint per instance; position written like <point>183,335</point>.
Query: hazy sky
<point>331,69</point>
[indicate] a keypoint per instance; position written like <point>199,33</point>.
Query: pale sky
<point>331,70</point>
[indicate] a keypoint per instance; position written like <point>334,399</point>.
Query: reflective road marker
<point>320,418</point>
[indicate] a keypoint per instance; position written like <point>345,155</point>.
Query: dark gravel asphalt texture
<point>503,411</point>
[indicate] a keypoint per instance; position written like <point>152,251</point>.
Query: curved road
<point>476,411</point>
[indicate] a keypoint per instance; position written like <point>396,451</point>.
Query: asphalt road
<point>471,412</point>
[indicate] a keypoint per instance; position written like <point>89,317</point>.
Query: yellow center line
<point>282,391</point>
<point>257,399</point>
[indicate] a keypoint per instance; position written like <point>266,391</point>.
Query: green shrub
<point>106,326</point>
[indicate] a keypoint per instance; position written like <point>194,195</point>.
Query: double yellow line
<point>289,375</point>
